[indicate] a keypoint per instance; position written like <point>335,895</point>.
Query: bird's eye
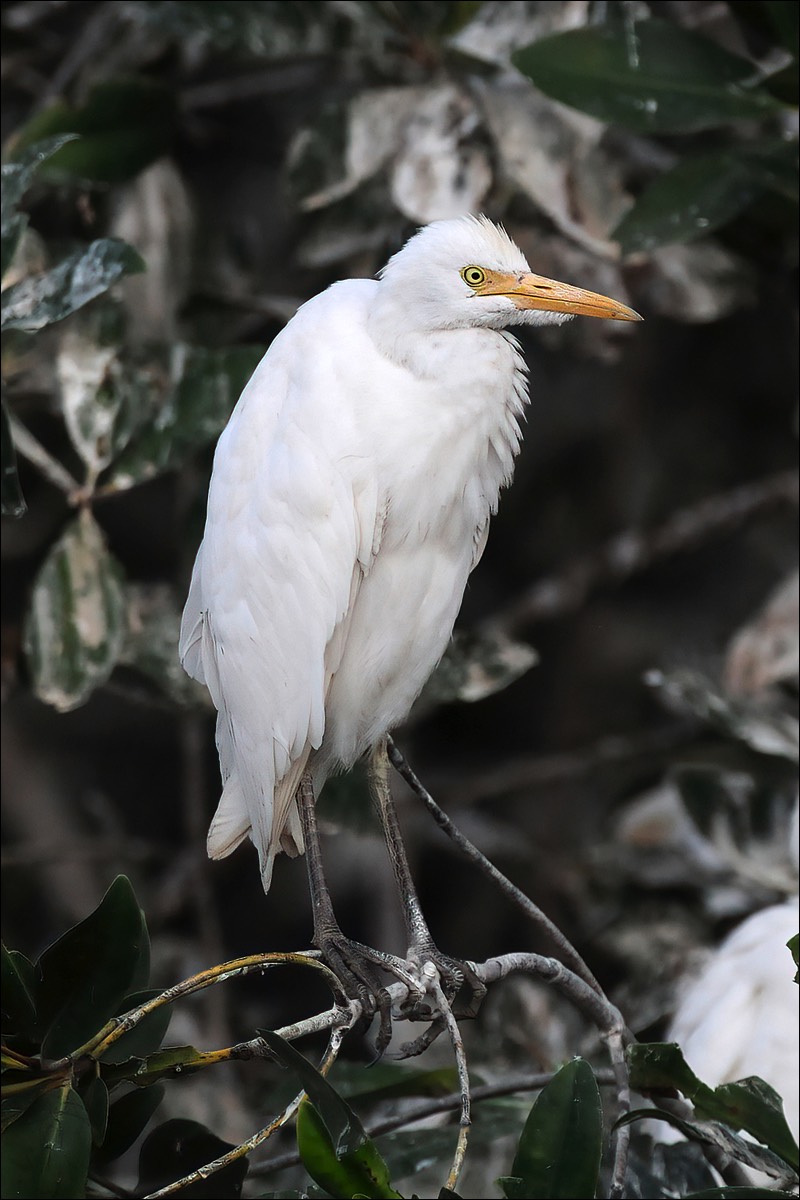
<point>474,276</point>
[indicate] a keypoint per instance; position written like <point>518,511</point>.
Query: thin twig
<point>621,1134</point>
<point>247,1147</point>
<point>433,1108</point>
<point>595,1006</point>
<point>632,551</point>
<point>32,449</point>
<point>234,969</point>
<point>543,770</point>
<point>471,851</point>
<point>457,1042</point>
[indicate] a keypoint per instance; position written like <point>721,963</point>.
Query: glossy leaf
<point>13,501</point>
<point>361,1172</point>
<point>559,1151</point>
<point>12,1107</point>
<point>344,1128</point>
<point>41,300</point>
<point>76,624</point>
<point>95,1099</point>
<point>652,76</point>
<point>46,1152</point>
<point>693,199</point>
<point>17,177</point>
<point>205,386</point>
<point>87,972</point>
<point>18,994</point>
<point>124,125</point>
<point>749,1104</point>
<point>164,1064</point>
<point>754,1106</point>
<point>178,1147</point>
<point>391,1081</point>
<point>146,1037</point>
<point>127,1117</point>
<point>701,194</point>
<point>714,1133</point>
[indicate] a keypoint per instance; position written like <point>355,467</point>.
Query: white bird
<point>350,500</point>
<point>738,1016</point>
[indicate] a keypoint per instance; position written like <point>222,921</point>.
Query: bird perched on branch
<point>350,500</point>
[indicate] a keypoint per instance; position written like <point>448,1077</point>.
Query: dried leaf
<point>767,650</point>
<point>696,283</point>
<point>688,691</point>
<point>441,169</point>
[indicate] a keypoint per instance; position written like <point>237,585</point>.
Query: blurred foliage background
<point>616,722</point>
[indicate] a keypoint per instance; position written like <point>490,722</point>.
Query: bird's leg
<point>358,967</point>
<point>422,948</point>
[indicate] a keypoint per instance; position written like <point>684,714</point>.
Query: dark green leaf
<point>775,164</point>
<point>164,1064</point>
<point>717,1134</point>
<point>785,19</point>
<point>12,1107</point>
<point>651,76</point>
<point>76,624</point>
<point>179,1147</point>
<point>17,177</point>
<point>42,299</point>
<point>391,1081</point>
<point>693,199</point>
<point>127,1117</point>
<point>752,1105</point>
<point>793,945</point>
<point>559,1150</point>
<point>205,386</point>
<point>749,1104</point>
<point>701,194</point>
<point>146,1037</point>
<point>87,972</point>
<point>345,1129</point>
<point>512,1187</point>
<point>13,501</point>
<point>124,125</point>
<point>361,1172</point>
<point>95,1099</point>
<point>19,994</point>
<point>46,1151</point>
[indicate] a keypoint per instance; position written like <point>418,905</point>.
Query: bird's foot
<point>463,990</point>
<point>362,973</point>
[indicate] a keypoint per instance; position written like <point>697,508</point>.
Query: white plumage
<point>739,1016</point>
<point>350,499</point>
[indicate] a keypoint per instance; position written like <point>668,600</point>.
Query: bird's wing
<point>293,525</point>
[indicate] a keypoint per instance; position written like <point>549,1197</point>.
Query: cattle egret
<point>350,500</point>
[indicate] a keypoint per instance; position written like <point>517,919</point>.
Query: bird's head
<point>468,273</point>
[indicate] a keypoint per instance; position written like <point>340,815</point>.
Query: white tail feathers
<point>230,824</point>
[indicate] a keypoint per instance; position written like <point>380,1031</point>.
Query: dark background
<point>680,433</point>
